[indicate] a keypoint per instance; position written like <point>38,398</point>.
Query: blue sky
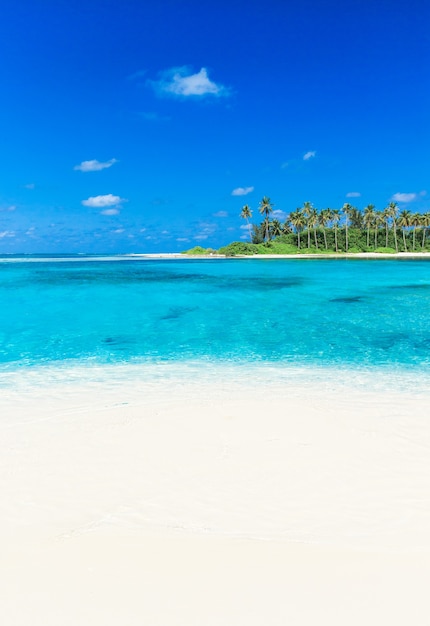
<point>145,126</point>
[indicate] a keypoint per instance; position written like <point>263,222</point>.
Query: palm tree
<point>415,221</point>
<point>266,208</point>
<point>425,222</point>
<point>324,219</point>
<point>386,217</point>
<point>393,210</point>
<point>298,221</point>
<point>335,219</point>
<point>347,210</point>
<point>404,222</point>
<point>369,213</point>
<point>377,221</point>
<point>307,211</point>
<point>286,227</point>
<point>313,221</point>
<point>246,214</point>
<point>275,228</point>
<point>356,218</point>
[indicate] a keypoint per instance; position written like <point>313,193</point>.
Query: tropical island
<point>348,230</point>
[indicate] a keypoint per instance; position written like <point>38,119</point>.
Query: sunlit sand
<point>199,502</point>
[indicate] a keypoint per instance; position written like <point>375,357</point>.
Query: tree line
<point>348,229</point>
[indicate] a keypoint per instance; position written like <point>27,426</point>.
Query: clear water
<point>308,313</point>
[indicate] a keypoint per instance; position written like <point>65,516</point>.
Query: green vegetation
<point>329,231</point>
<point>198,250</point>
<point>239,248</point>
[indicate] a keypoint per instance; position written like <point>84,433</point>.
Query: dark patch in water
<point>387,342</point>
<point>118,341</point>
<point>412,286</point>
<point>140,275</point>
<point>348,300</point>
<point>177,311</point>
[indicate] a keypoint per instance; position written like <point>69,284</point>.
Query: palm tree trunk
<point>249,229</point>
<point>368,235</point>
<point>404,240</point>
<point>413,238</point>
<point>376,237</point>
<point>424,237</point>
<point>298,237</point>
<point>325,239</point>
<point>315,237</point>
<point>386,234</point>
<point>395,235</point>
<point>309,236</point>
<point>335,238</point>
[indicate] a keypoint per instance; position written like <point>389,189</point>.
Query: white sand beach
<point>199,502</point>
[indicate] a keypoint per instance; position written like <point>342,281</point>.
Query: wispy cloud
<point>8,209</point>
<point>205,230</point>
<point>6,233</point>
<point>279,214</point>
<point>109,212</point>
<point>99,202</point>
<point>242,191</point>
<point>94,165</point>
<point>221,214</point>
<point>404,197</point>
<point>309,155</point>
<point>353,194</point>
<point>181,82</point>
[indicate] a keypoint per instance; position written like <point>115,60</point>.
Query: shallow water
<point>313,313</point>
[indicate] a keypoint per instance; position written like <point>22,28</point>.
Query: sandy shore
<point>214,503</point>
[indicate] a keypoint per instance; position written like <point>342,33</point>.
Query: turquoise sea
<point>74,311</point>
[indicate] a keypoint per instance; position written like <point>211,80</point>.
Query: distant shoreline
<point>184,256</point>
<point>340,255</point>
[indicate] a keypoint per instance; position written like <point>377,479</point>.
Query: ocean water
<point>315,314</point>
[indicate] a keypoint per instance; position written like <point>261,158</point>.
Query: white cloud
<point>178,81</point>
<point>404,197</point>
<point>109,212</point>
<point>6,233</point>
<point>309,155</point>
<point>221,214</point>
<point>279,215</point>
<point>118,231</point>
<point>94,165</point>
<point>353,194</point>
<point>182,239</point>
<point>8,209</point>
<point>244,227</point>
<point>242,191</point>
<point>30,186</point>
<point>98,202</point>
